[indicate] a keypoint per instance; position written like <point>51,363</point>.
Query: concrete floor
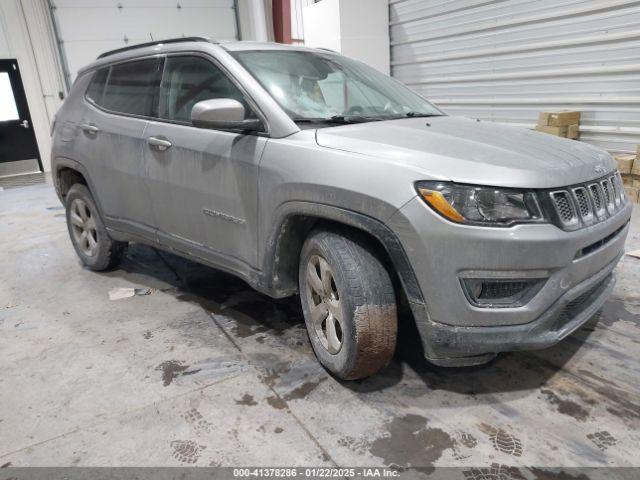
<point>205,371</point>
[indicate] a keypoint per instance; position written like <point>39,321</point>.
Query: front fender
<point>293,218</point>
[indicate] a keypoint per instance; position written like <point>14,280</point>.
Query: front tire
<point>349,304</point>
<point>97,250</point>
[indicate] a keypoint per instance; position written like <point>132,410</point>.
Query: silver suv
<point>304,172</point>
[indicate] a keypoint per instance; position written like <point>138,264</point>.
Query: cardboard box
<point>633,193</point>
<point>625,162</point>
<point>558,119</point>
<point>573,131</point>
<point>557,131</point>
<point>543,118</point>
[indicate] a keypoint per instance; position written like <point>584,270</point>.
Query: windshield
<point>312,86</point>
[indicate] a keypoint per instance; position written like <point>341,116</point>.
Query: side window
<point>96,88</point>
<point>189,80</point>
<point>132,87</point>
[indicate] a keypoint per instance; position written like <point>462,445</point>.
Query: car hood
<point>468,151</point>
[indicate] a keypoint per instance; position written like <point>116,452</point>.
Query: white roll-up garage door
<point>507,60</point>
<point>89,27</point>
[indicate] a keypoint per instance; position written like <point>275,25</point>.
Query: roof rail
<point>157,42</point>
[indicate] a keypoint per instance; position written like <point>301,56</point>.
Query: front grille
<point>575,206</point>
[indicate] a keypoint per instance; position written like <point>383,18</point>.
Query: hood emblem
<point>600,169</point>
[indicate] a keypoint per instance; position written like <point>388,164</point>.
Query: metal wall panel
<point>90,27</point>
<point>507,60</point>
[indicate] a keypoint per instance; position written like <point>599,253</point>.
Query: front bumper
<point>455,332</point>
<point>457,346</point>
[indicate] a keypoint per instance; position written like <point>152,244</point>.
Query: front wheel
<point>348,303</point>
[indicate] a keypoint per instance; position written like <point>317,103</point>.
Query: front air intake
<point>500,293</point>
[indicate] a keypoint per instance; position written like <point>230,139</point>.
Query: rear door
<point>121,99</point>
<point>18,147</point>
<point>203,183</point>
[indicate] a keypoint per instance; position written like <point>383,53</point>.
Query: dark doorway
<point>18,148</point>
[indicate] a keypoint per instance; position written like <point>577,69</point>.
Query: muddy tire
<point>90,239</point>
<point>348,302</point>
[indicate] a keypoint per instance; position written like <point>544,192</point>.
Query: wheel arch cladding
<point>282,252</point>
<point>67,177</point>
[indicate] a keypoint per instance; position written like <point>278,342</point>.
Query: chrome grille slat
<point>588,203</point>
<point>608,196</point>
<point>614,190</point>
<point>583,202</point>
<point>595,190</point>
<point>618,179</point>
<point>564,207</point>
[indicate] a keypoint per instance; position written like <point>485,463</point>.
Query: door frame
<point>20,96</point>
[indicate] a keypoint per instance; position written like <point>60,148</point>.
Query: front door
<point>203,183</point>
<point>18,147</point>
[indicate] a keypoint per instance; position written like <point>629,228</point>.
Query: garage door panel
<point>507,61</point>
<point>80,54</point>
<point>141,3</point>
<point>624,87</point>
<point>81,25</point>
<point>618,55</point>
<point>90,28</point>
<point>426,41</point>
<point>522,23</point>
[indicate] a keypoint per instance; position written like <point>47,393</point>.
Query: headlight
<point>481,205</point>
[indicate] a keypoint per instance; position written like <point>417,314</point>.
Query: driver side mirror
<point>223,114</point>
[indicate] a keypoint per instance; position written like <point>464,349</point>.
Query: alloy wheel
<point>324,304</point>
<point>83,226</point>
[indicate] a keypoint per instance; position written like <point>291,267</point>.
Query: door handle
<point>159,143</point>
<point>24,124</point>
<point>89,128</point>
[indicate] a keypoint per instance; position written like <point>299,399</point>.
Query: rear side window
<point>96,88</point>
<point>132,87</point>
<point>188,80</point>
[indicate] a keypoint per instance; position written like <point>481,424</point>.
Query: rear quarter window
<point>96,87</point>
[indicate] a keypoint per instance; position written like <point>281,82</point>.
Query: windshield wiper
<point>348,119</point>
<point>339,119</point>
<point>418,114</point>
<point>354,119</point>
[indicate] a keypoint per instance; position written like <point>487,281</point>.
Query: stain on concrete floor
<point>171,369</point>
<point>409,441</point>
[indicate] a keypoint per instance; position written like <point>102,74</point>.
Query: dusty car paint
<point>243,202</point>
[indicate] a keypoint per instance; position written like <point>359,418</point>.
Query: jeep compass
<point>307,173</point>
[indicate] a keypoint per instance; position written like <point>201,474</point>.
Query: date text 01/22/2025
<point>320,472</point>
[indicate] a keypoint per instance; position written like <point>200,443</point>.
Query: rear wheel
<point>348,303</point>
<point>94,246</point>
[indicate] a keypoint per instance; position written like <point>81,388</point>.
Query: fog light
<point>491,292</point>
